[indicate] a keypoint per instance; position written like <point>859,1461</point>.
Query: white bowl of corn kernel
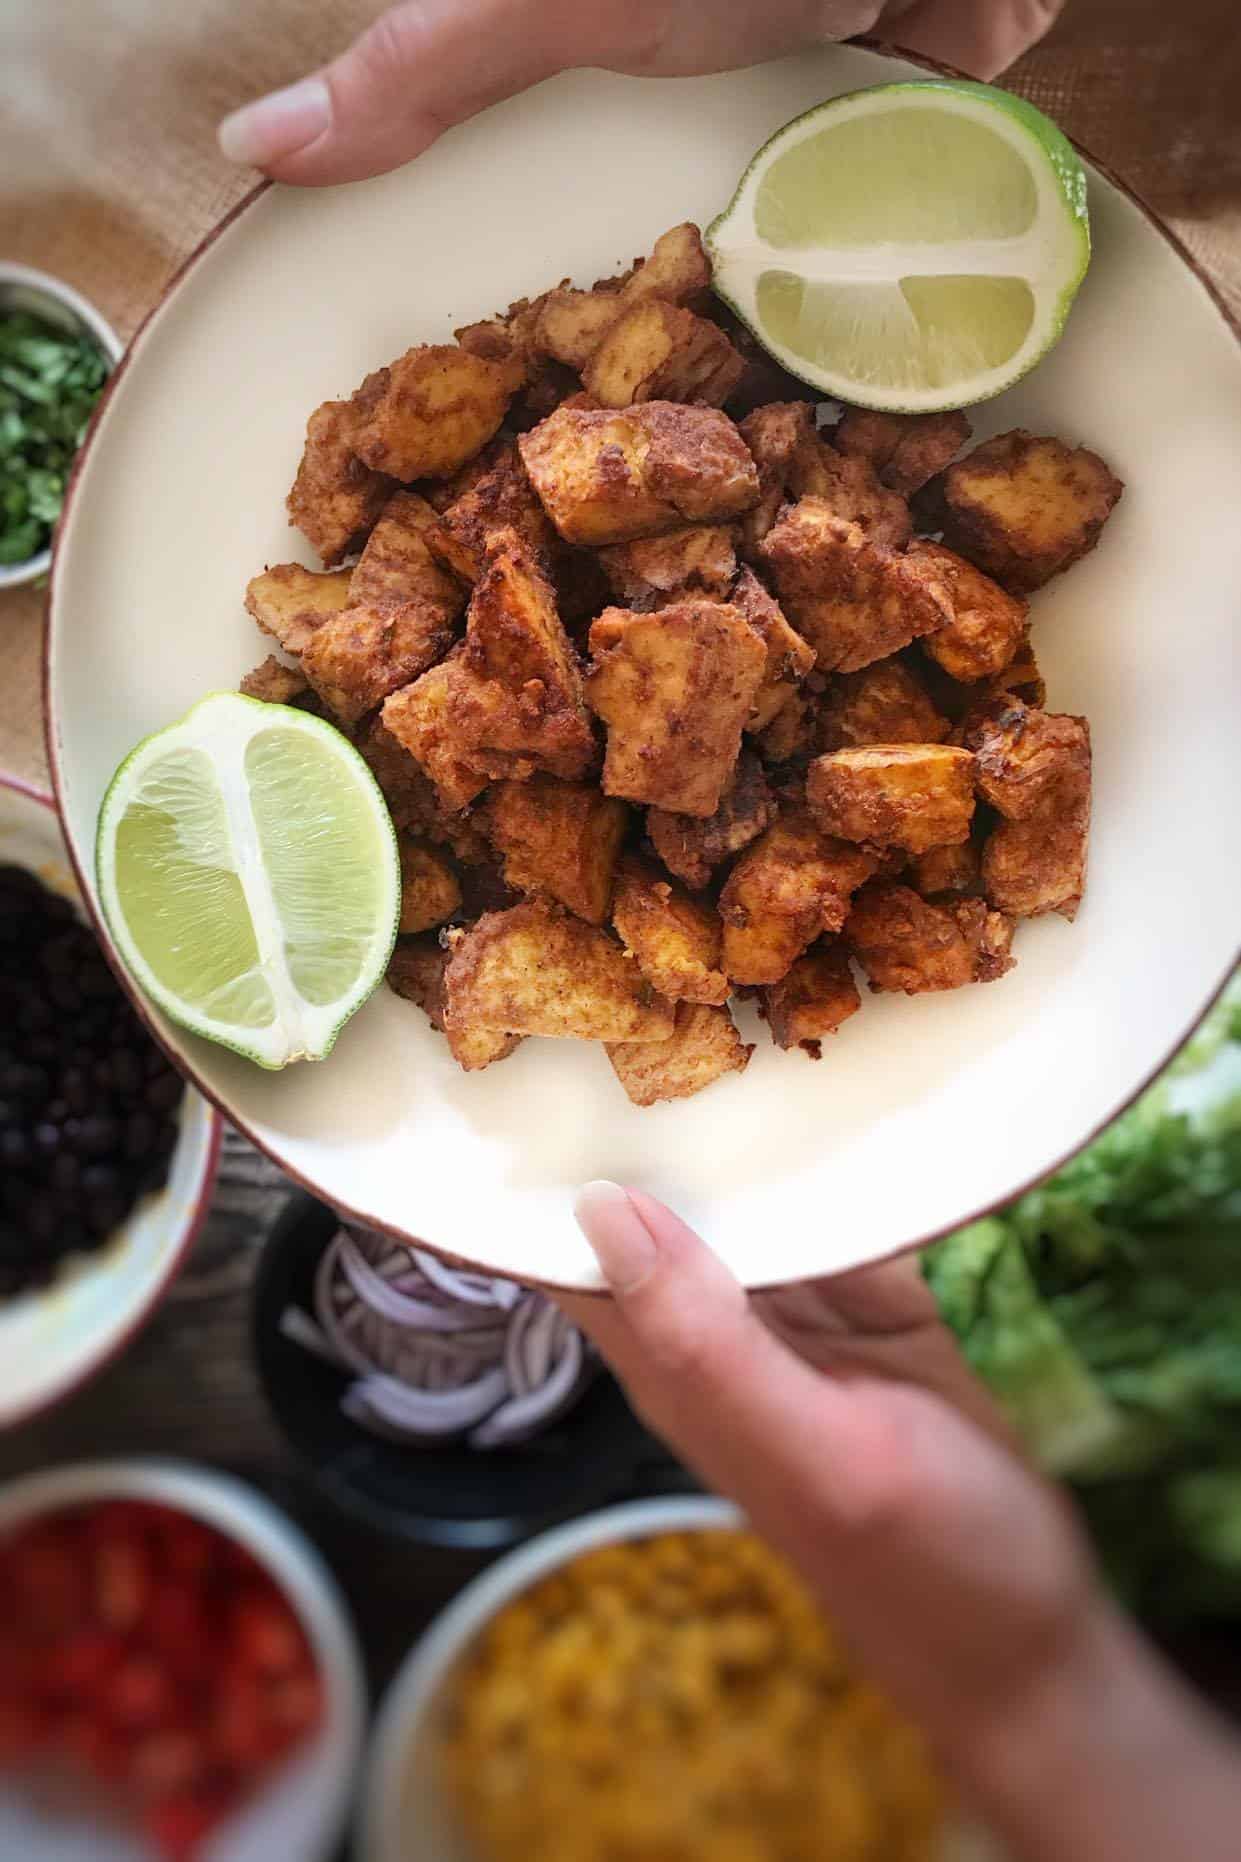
<point>646,1680</point>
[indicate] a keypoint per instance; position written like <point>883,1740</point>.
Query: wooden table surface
<point>109,177</point>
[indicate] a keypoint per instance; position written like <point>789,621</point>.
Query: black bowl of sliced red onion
<point>433,1402</point>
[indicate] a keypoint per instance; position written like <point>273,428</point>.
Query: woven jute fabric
<point>109,173</point>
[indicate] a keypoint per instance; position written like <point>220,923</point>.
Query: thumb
<point>421,67</point>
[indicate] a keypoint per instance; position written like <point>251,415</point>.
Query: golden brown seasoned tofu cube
<point>509,339</point>
<point>674,939</point>
<point>291,603</point>
<point>855,601</point>
<point>704,1046</point>
<point>571,324</point>
<point>1024,758</point>
<point>792,735</point>
<point>911,796</point>
<point>789,658</point>
<point>658,352</point>
<point>430,410</point>
<point>848,486</point>
<point>335,497</point>
<point>692,848</point>
<point>905,449</point>
<point>537,969</point>
<point>416,971</point>
<point>558,838</point>
<point>813,999</point>
<point>883,704</point>
<point>987,626</point>
<point>776,435</point>
<point>907,943</point>
<point>1038,864</point>
<point>697,557</point>
<point>1021,679</point>
<point>1025,508</point>
<point>606,476</point>
<point>501,499</point>
<point>790,886</point>
<point>430,893</point>
<point>275,683</point>
<point>402,613</point>
<point>413,800</point>
<point>673,689</point>
<point>422,718</point>
<point>519,703</point>
<point>946,869</point>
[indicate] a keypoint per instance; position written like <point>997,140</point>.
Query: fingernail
<point>261,132</point>
<point>620,1238</point>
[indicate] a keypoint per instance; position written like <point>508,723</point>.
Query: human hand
<point>427,64</point>
<point>842,1418</point>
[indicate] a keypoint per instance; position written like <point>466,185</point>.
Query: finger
<point>795,1449</point>
<point>982,37</point>
<point>421,67</point>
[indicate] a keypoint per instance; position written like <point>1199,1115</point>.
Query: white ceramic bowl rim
<point>111,1347</point>
<point>437,1243</point>
<point>43,284</point>
<point>248,1519</point>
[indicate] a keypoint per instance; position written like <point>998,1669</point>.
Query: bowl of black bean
<point>107,1159</point>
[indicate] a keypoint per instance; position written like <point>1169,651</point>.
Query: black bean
<point>140,1134</point>
<point>102,1076</point>
<point>99,1135</point>
<point>15,1148</point>
<point>164,1093</point>
<point>66,1173</point>
<point>127,1071</point>
<point>64,992</point>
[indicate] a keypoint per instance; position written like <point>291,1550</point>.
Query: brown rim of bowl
<point>361,1216</point>
<point>203,1192</point>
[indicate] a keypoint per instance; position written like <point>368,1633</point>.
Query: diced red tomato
<point>25,1728</point>
<point>80,1664</point>
<point>139,1694</point>
<point>49,1587</point>
<point>242,1731</point>
<point>178,1827</point>
<point>188,1549</point>
<point>296,1701</point>
<point>99,1749</point>
<point>179,1625</point>
<point>167,1763</point>
<point>266,1634</point>
<point>121,1580</point>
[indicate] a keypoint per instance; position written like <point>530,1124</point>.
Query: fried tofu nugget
<point>816,996</point>
<point>907,943</point>
<point>674,689</point>
<point>430,410</point>
<point>536,969</point>
<point>571,324</point>
<point>911,796</point>
<point>561,839</point>
<point>430,893</point>
<point>790,886</point>
<point>501,499</point>
<point>905,450</point>
<point>413,800</point>
<point>335,497</point>
<point>883,704</point>
<point>988,625</point>
<point>291,603</point>
<point>275,683</point>
<point>695,558</point>
<point>607,476</point>
<point>1024,758</point>
<point>946,869</point>
<point>775,434</point>
<point>855,601</point>
<point>421,717</point>
<point>658,352</point>
<point>792,735</point>
<point>401,616</point>
<point>1038,864</point>
<point>674,939</point>
<point>1024,509</point>
<point>416,971</point>
<point>847,484</point>
<point>692,848</point>
<point>789,657</point>
<point>703,1047</point>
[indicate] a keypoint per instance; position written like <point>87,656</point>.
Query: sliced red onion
<point>437,1351</point>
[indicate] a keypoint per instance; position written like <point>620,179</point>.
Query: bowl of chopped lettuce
<point>56,352</point>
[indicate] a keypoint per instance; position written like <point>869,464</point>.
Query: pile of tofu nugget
<point>671,694</point>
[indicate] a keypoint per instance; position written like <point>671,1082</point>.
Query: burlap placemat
<point>109,174</point>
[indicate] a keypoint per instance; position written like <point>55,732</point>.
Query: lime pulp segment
<point>248,870</point>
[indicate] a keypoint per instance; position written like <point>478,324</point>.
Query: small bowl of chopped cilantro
<point>56,352</point>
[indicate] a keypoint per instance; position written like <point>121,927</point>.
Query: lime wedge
<point>911,248</point>
<point>248,871</point>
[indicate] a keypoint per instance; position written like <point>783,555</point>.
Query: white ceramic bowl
<point>400,1788</point>
<point>300,1814</point>
<point>54,1337</point>
<point>23,288</point>
<point>924,1112</point>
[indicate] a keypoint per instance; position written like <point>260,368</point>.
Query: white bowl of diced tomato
<point>179,1681</point>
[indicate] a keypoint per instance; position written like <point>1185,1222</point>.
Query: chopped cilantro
<point>50,380</point>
